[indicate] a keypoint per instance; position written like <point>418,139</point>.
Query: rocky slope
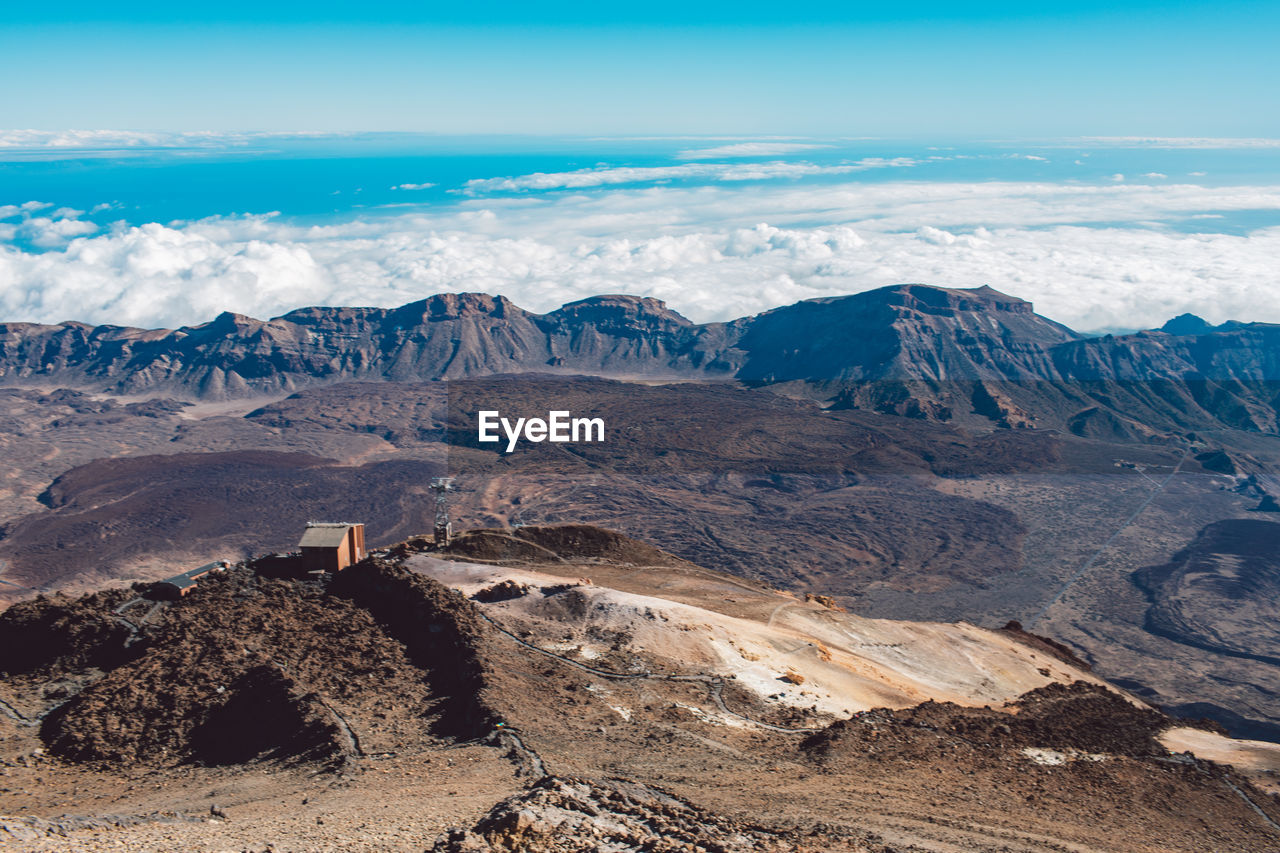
<point>611,697</point>
<point>911,350</point>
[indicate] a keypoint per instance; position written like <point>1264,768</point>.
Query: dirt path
<point>777,610</point>
<point>135,627</point>
<point>348,733</point>
<point>1088,564</point>
<point>1249,801</point>
<point>527,759</point>
<point>16,715</point>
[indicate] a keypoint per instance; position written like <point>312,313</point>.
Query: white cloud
<point>45,232</point>
<point>100,139</point>
<point>612,175</point>
<point>748,149</point>
<point>1178,142</point>
<point>1117,177</point>
<point>38,139</point>
<point>48,233</point>
<point>425,186</point>
<point>713,252</point>
<point>936,236</point>
<point>1156,175</point>
<point>56,144</point>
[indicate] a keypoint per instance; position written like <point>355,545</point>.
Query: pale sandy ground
<point>1258,759</point>
<point>763,639</point>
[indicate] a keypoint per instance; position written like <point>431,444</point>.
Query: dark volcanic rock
<point>1221,593</point>
<point>247,668</point>
<point>1081,717</point>
<point>708,471</point>
<point>58,634</point>
<point>111,513</point>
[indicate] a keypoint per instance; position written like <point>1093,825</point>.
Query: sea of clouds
<point>1095,257</point>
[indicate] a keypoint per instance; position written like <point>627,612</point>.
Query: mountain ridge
<point>910,349</point>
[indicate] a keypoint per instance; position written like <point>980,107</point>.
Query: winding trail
<point>1249,801</point>
<point>531,763</point>
<point>348,733</point>
<point>1088,564</point>
<point>17,716</point>
<point>135,628</point>
<point>774,615</point>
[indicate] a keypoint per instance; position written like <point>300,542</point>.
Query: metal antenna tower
<point>443,529</point>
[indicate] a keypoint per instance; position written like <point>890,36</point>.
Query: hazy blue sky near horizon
<point>928,68</point>
<point>1117,163</point>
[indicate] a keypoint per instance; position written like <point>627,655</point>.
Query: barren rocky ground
<point>895,516</point>
<point>569,689</point>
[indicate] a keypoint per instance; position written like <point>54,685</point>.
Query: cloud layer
<point>98,140</point>
<point>613,175</point>
<point>1197,142</point>
<point>712,252</point>
<point>748,149</point>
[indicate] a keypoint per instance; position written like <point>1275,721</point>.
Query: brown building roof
<point>324,535</point>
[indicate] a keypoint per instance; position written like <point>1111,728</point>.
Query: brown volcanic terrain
<point>899,490</point>
<point>781,469</point>
<point>1222,593</point>
<point>633,718</point>
<point>897,516</point>
<point>116,513</point>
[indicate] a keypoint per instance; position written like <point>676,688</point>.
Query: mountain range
<point>912,349</point>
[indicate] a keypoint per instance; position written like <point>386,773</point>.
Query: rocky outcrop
<point>247,668</point>
<point>566,815</point>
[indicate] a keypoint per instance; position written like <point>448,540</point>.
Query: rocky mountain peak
<point>929,299</point>
<point>454,306</point>
<point>621,311</point>
<point>1187,324</point>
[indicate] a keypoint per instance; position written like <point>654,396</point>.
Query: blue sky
<point>930,69</point>
<point>1118,163</point>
